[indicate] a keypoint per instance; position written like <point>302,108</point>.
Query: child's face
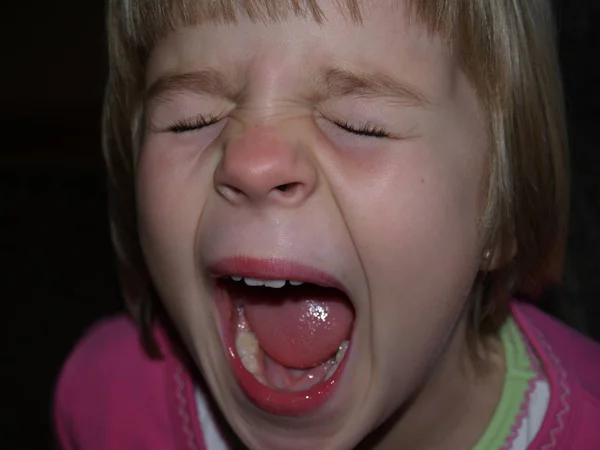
<point>280,187</point>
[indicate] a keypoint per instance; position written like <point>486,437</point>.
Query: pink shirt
<point>110,395</point>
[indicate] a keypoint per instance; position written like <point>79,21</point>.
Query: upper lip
<point>273,269</point>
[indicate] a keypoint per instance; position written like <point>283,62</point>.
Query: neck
<point>455,405</point>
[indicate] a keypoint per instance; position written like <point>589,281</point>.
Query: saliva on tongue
<point>299,327</point>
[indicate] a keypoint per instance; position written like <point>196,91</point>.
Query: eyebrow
<point>334,82</point>
<point>202,82</point>
<point>341,82</point>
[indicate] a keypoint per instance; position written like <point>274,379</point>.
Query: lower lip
<point>267,399</point>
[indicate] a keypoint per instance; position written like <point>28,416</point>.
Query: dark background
<point>56,263</point>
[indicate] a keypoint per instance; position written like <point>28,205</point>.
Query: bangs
<point>143,22</point>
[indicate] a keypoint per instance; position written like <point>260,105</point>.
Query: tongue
<point>298,327</point>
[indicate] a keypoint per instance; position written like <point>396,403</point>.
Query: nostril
<point>288,187</point>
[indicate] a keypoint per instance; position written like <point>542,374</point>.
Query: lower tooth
<point>341,351</point>
<point>331,371</point>
<point>335,362</point>
<point>247,347</point>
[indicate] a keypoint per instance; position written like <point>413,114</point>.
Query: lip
<point>265,398</point>
<point>274,269</point>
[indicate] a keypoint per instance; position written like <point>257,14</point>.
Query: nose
<point>262,167</point>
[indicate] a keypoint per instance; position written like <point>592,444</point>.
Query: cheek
<point>169,199</point>
<point>156,194</point>
<point>419,249</point>
<point>420,239</point>
<point>421,194</point>
<point>428,223</point>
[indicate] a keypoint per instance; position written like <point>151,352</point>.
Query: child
<point>322,210</point>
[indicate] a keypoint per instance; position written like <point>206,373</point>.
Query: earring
<point>487,255</point>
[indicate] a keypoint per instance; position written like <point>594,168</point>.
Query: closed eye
<point>364,130</point>
<point>192,124</point>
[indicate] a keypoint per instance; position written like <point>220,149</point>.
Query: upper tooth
<point>253,282</point>
<point>266,283</point>
<point>275,283</point>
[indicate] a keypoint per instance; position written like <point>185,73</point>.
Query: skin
<point>400,213</point>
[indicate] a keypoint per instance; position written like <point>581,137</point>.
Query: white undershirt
<point>536,410</point>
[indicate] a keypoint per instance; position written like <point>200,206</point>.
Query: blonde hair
<point>506,49</point>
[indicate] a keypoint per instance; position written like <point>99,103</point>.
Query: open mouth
<point>287,338</point>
